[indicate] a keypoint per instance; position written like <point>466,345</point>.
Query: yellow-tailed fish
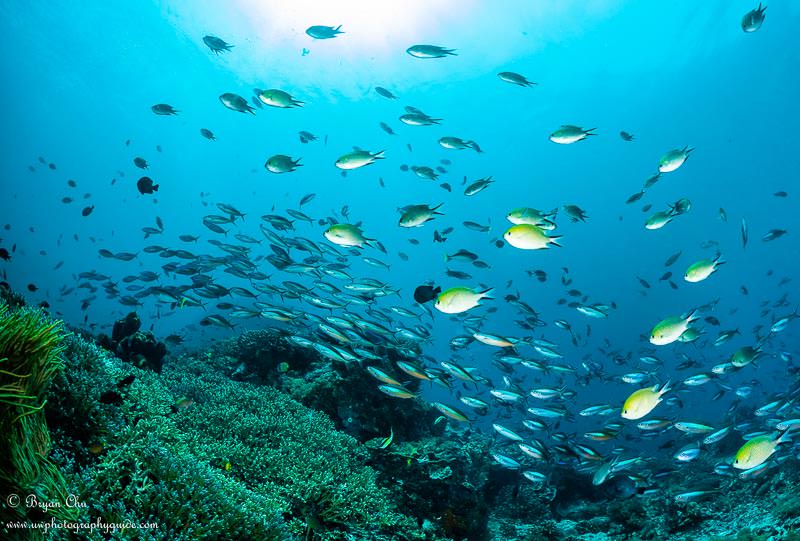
<point>756,451</point>
<point>643,401</point>
<point>670,329</point>
<point>347,235</point>
<point>699,271</point>
<point>459,299</point>
<point>529,237</point>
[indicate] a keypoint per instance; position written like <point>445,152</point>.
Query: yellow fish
<point>697,272</point>
<point>459,299</point>
<point>756,451</point>
<point>670,329</point>
<point>643,401</point>
<point>529,237</point>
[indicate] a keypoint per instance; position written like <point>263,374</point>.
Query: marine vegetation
<point>30,357</point>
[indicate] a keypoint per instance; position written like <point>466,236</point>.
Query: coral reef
<point>207,457</point>
<point>131,344</point>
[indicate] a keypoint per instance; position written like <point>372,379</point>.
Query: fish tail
<point>485,293</point>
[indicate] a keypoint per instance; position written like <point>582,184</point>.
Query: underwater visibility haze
<point>443,270</point>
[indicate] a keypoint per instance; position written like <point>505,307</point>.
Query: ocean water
<point>80,80</point>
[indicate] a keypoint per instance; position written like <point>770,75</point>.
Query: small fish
<point>145,186</point>
<point>626,136</point>
<point>744,233</point>
<point>568,134</point>
<point>385,93</point>
<point>753,19</point>
<point>324,32</point>
<point>430,51</point>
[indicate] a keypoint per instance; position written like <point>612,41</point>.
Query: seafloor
<point>256,439</point>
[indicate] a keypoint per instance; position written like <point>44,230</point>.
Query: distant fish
<point>216,44</point>
<point>635,197</point>
<point>430,51</point>
<point>324,32</point>
<point>626,136</point>
<point>744,233</point>
<point>568,134</point>
<point>307,136</point>
<point>515,78</point>
<point>235,102</point>
<point>385,93</point>
<point>145,185</point>
<point>278,98</point>
<point>774,234</point>
<point>164,109</point>
<point>87,210</point>
<point>280,163</point>
<point>208,134</point>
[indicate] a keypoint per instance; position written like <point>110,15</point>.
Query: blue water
<point>79,82</point>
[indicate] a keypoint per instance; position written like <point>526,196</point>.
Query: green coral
<point>30,355</point>
<point>242,461</point>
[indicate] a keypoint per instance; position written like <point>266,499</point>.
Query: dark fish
<point>385,93</point>
<point>208,134</point>
<point>666,276</point>
<point>780,194</point>
<point>635,197</point>
<point>32,288</point>
<point>403,256</point>
<point>744,233</point>
<point>385,127</point>
<point>446,186</point>
<point>87,210</point>
<point>66,200</point>
<point>644,282</point>
<point>127,380</point>
<point>52,166</point>
<point>626,136</point>
<point>307,198</point>
<point>647,207</point>
<point>458,274</point>
<point>141,163</point>
<point>111,397</point>
<point>774,234</point>
<point>651,181</point>
<point>164,109</point>
<point>426,293</point>
<point>404,167</point>
<point>72,183</point>
<point>145,185</point>
<point>672,259</point>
